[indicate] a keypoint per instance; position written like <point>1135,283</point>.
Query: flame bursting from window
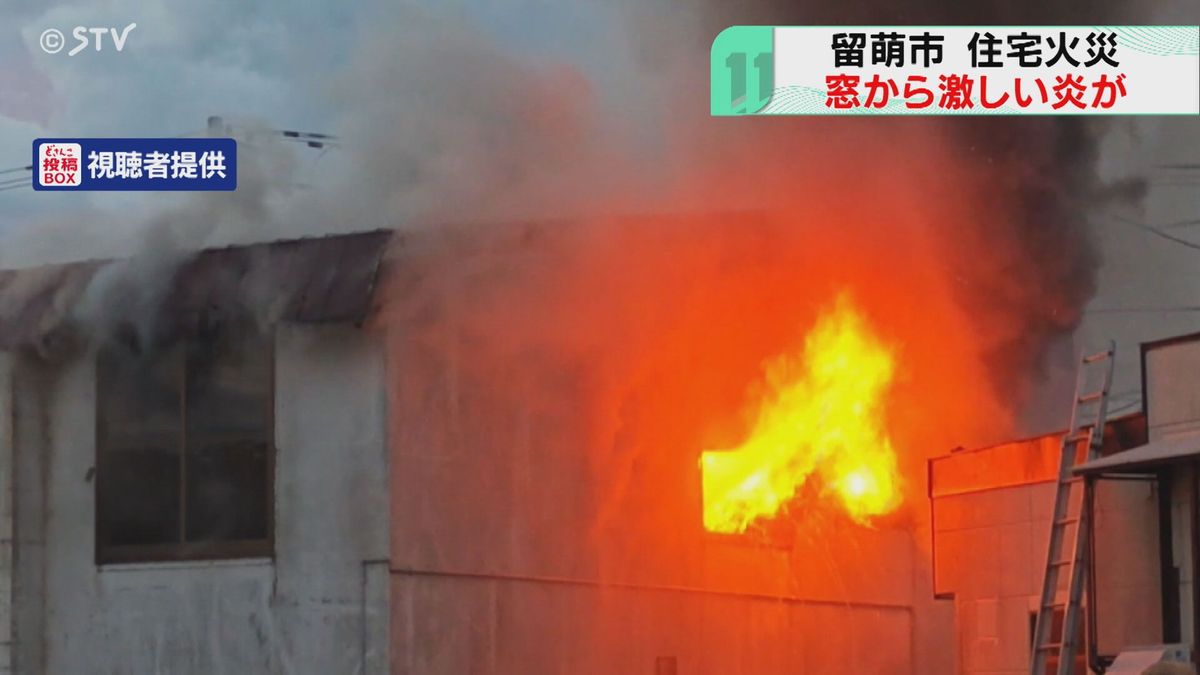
<point>822,413</point>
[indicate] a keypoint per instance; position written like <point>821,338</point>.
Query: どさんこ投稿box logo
<point>58,164</point>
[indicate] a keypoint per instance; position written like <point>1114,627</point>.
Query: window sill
<point>184,564</point>
<point>187,552</point>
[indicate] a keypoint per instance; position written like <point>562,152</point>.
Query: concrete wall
<point>320,606</point>
<point>991,521</point>
<point>527,538</point>
<point>1128,566</point>
<point>990,551</point>
<point>486,625</point>
<point>991,555</point>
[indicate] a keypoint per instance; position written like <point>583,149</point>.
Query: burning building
<point>483,451</point>
<point>669,445</point>
<point>304,456</point>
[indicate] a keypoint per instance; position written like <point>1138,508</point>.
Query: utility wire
<point>1143,310</point>
<point>1183,223</point>
<point>1157,232</point>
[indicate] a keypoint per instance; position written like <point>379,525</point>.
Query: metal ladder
<point>1066,554</point>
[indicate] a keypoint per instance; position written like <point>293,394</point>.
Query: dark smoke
<point>1027,271</point>
<point>443,124</point>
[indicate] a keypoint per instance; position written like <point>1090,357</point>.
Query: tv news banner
<point>158,164</point>
<point>956,70</point>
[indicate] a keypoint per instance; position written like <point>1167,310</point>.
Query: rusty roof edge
<point>373,277</point>
<point>340,248</point>
<point>100,262</point>
<point>20,323</point>
<point>358,318</point>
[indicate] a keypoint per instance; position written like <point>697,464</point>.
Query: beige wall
<point>1173,388</point>
<point>1128,566</point>
<point>492,626</point>
<point>990,548</point>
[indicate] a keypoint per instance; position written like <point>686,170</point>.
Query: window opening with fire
<point>822,415</point>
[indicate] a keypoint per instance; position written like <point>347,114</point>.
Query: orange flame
<point>823,414</point>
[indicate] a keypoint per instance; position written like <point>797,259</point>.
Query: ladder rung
<point>1050,646</point>
<point>1098,356</point>
<point>1054,605</point>
<point>1094,396</point>
<point>1071,480</point>
<point>1079,436</point>
<point>1060,563</point>
<point>1067,521</point>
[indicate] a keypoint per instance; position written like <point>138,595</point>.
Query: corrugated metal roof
<point>1156,453</point>
<point>320,279</point>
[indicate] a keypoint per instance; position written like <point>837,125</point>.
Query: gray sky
<point>275,64</point>
<point>1140,270</point>
<point>183,62</point>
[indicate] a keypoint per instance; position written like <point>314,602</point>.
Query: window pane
<point>228,438</point>
<point>139,422</point>
<point>228,388</point>
<point>226,491</point>
<point>139,496</point>
<point>139,397</point>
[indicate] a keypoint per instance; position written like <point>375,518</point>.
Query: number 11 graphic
<point>736,63</point>
<point>743,70</point>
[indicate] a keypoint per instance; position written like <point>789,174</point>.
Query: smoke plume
<point>580,237</point>
<point>590,273</point>
<point>594,271</point>
<point>446,122</point>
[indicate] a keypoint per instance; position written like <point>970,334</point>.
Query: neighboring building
<point>252,471</point>
<point>991,522</point>
<point>991,510</point>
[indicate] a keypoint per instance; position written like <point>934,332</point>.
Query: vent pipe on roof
<point>216,126</point>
